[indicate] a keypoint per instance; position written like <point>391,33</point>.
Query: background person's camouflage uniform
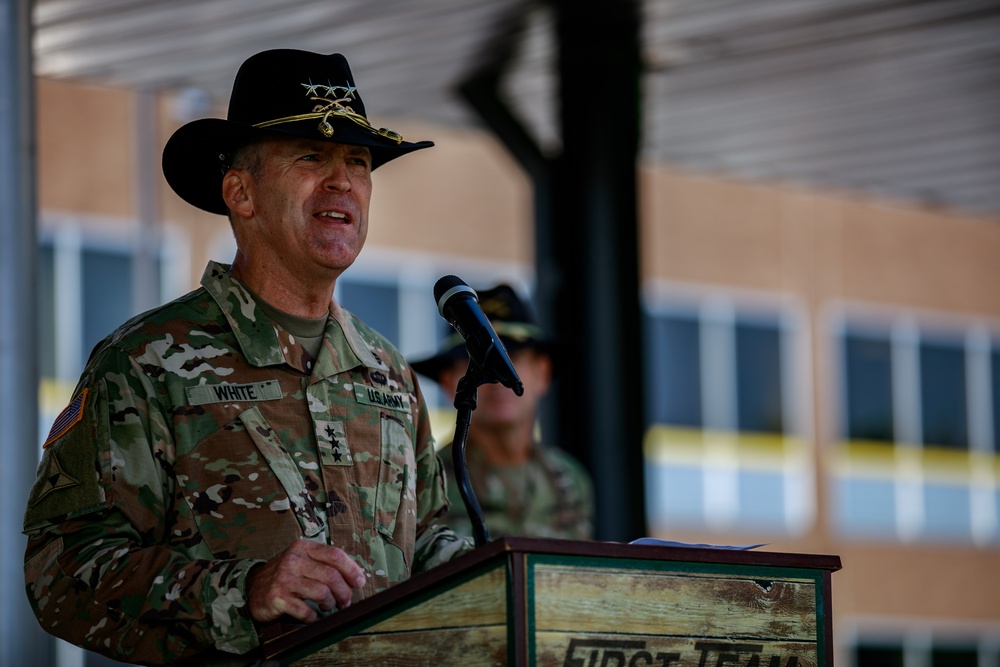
<point>549,495</point>
<point>203,440</point>
<point>522,486</point>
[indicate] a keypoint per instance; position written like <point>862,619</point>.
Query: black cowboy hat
<point>278,92</point>
<point>511,319</point>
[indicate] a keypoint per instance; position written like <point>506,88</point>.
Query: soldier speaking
<point>249,451</point>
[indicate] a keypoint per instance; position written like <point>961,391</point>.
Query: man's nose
<point>338,177</point>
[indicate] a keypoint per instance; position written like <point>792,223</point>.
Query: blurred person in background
<point>250,451</point>
<point>523,487</point>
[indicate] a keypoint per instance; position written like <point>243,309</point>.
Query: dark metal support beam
<point>586,251</point>
<point>481,91</point>
<point>595,242</point>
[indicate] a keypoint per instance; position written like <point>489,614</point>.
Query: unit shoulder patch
<point>53,479</point>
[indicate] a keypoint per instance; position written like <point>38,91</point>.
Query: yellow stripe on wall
<point>934,464</point>
<point>691,446</point>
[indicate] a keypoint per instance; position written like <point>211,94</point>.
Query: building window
<point>723,372</point>
<point>868,395</point>
<point>955,657</point>
<point>85,291</point>
<point>943,409</point>
<point>912,387</point>
<point>674,356</point>
<point>47,311</point>
<point>376,304</point>
<point>924,651</point>
<point>759,391</point>
<point>723,450</point>
<point>878,656</point>
<point>106,291</point>
<point>994,403</point>
<point>919,414</point>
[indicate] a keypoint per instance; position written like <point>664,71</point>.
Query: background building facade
<point>824,369</point>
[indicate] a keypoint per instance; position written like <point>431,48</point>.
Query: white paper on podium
<point>652,541</point>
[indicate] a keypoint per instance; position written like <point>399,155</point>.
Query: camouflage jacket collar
<point>344,347</point>
<point>264,344</point>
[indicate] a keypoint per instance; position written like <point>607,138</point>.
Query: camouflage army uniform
<point>203,440</point>
<point>549,496</point>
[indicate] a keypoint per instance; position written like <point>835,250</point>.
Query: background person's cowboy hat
<point>511,319</point>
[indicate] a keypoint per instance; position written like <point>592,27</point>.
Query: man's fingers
<point>323,584</point>
<point>290,605</point>
<point>330,566</point>
<point>305,571</point>
<point>338,559</point>
<point>320,594</point>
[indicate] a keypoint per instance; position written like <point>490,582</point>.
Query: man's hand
<point>304,571</point>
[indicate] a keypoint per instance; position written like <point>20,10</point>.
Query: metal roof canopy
<point>894,98</point>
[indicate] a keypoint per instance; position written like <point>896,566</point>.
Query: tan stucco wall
<point>85,149</point>
<point>817,245</point>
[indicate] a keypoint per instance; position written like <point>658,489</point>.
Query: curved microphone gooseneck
<point>488,362</point>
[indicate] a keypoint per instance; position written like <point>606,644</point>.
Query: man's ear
<point>237,192</point>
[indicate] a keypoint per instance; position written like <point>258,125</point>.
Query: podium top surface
<point>703,554</point>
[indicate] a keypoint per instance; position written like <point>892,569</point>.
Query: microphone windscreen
<point>446,288</point>
<point>444,284</point>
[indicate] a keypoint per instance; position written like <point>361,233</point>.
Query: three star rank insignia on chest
<point>332,442</point>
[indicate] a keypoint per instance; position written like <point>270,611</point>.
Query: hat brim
<point>433,366</point>
<point>194,157</point>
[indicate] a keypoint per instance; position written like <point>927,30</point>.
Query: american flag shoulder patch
<point>67,419</point>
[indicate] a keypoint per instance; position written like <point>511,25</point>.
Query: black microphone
<point>459,305</point>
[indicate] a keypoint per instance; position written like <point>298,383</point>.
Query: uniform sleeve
<point>98,571</point>
<point>436,543</point>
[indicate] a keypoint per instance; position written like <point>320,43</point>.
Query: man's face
<point>308,208</point>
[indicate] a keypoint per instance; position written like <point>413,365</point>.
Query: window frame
<point>722,458</point>
<point>912,468</point>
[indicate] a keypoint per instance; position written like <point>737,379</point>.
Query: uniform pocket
<point>395,496</point>
<point>244,493</point>
<point>310,515</point>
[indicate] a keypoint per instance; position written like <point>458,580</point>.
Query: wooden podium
<point>525,601</point>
